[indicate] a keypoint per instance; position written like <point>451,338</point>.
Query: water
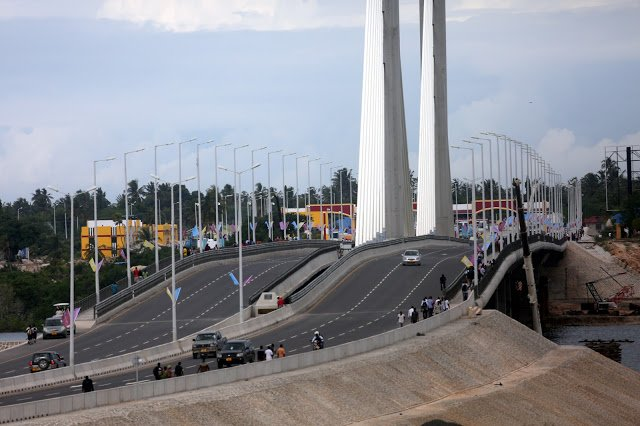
<point>572,335</point>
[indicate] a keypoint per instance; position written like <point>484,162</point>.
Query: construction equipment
<point>603,305</point>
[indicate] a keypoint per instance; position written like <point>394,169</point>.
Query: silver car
<point>53,327</point>
<point>411,257</point>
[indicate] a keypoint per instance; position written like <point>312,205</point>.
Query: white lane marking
<point>75,386</point>
<point>52,394</point>
<point>23,399</point>
<point>11,371</point>
<point>104,384</point>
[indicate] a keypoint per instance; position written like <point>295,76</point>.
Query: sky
<point>85,81</point>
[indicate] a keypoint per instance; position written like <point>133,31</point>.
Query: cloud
<point>561,149</point>
<point>225,15</point>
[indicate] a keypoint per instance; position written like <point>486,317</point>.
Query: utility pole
<point>528,264</point>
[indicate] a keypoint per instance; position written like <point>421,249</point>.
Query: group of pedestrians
<point>428,306</point>
<point>32,334</point>
<point>167,372</point>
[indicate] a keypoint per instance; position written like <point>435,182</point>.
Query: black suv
<point>207,344</point>
<point>236,352</point>
<point>41,361</point>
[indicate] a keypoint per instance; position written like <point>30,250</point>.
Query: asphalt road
<point>207,297</point>
<point>364,303</point>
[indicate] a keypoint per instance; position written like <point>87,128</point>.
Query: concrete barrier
<point>145,390</point>
<point>230,327</point>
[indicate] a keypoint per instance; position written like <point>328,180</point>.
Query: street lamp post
<point>322,233</point>
<point>473,201</point>
<point>20,208</point>
<point>238,176</point>
<point>236,191</point>
<point>484,217</point>
<point>309,193</point>
<point>253,195</point>
<point>180,191</point>
<point>493,217</point>
<point>174,322</point>
<point>284,198</point>
<point>126,214</point>
<point>331,201</point>
<point>95,227</point>
<point>155,201</point>
<point>270,213</point>
<point>217,190</point>
<point>199,215</point>
<point>72,321</point>
<point>298,198</point>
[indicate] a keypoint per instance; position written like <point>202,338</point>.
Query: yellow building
<point>111,236</point>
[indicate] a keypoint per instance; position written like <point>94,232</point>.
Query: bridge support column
<point>384,198</point>
<point>434,208</point>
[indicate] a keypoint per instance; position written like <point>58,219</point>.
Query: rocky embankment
<point>487,370</point>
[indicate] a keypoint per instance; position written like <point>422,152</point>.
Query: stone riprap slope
<point>485,370</point>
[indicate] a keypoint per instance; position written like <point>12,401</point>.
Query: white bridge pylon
<point>384,199</point>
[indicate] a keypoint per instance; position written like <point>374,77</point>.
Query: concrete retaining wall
<point>196,381</point>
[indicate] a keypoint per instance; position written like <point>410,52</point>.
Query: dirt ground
<point>627,252</point>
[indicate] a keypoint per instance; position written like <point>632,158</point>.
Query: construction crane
<point>602,304</point>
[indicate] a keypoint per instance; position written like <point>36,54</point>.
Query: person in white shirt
<point>268,353</point>
<point>400,319</point>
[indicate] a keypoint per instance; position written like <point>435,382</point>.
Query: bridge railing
<point>193,260</point>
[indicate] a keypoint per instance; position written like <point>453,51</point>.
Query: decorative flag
<point>122,254</point>
<point>466,262</point>
<point>92,264</point>
<point>251,225</point>
<point>233,278</point>
<point>233,227</point>
<point>176,295</point>
<point>282,226</point>
<point>66,320</point>
<point>100,264</point>
<point>76,311</point>
<point>486,246</point>
<point>194,232</point>
<point>295,225</point>
<point>148,245</point>
<point>267,225</point>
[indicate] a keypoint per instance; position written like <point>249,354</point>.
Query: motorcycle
<point>318,344</point>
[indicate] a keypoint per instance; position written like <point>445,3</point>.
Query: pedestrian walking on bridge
<point>400,319</point>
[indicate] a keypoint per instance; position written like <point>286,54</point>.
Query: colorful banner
<point>233,278</point>
<point>466,262</point>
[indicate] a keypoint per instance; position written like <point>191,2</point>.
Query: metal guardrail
<point>271,285</point>
<point>193,260</point>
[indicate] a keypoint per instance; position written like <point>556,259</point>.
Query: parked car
<point>54,328</point>
<point>411,257</point>
<point>236,352</point>
<point>207,344</point>
<point>41,361</point>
